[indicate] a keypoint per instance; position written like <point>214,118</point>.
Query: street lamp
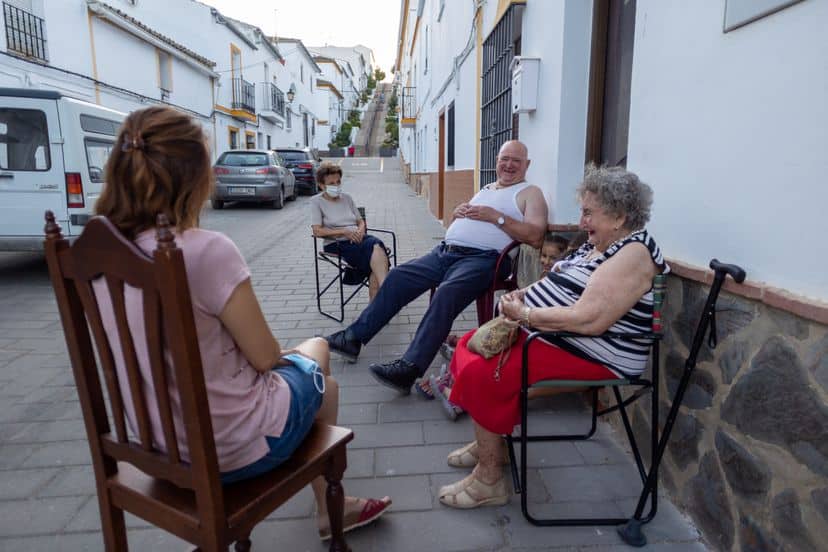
<point>291,93</point>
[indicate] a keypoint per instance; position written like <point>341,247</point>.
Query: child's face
<point>550,252</point>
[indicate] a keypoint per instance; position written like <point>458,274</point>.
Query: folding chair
<point>631,531</point>
<point>132,474</point>
<point>345,274</point>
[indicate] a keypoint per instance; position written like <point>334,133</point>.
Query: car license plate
<point>242,190</point>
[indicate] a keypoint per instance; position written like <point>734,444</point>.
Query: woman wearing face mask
<point>334,216</point>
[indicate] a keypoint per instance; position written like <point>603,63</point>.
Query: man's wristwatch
<point>501,221</point>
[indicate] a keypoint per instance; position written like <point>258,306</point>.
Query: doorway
<point>610,80</point>
<point>441,165</point>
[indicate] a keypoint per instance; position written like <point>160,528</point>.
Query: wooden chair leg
<point>243,545</point>
<point>112,526</point>
<point>335,498</point>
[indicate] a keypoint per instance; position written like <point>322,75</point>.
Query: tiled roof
<point>149,30</point>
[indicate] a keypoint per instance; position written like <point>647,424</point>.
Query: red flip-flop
<point>372,510</point>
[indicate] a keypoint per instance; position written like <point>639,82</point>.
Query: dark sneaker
<point>346,348</point>
<point>398,375</point>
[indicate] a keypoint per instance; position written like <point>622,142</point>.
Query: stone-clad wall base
<point>748,457</point>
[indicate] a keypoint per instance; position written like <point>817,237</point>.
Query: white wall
<point>731,131</point>
<point>559,33</point>
<point>556,32</point>
<point>121,60</point>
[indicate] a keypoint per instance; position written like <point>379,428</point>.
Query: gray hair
<point>619,192</point>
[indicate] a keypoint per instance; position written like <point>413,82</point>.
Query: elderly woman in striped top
<point>604,285</point>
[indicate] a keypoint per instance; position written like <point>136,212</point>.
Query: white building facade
<point>78,48</point>
<point>721,107</point>
<point>126,55</point>
<point>310,104</point>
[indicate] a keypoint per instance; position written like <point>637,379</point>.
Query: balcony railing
<point>25,33</point>
<point>277,100</point>
<point>408,101</point>
<point>244,95</point>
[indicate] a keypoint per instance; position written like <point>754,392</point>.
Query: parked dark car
<point>253,176</point>
<point>303,162</point>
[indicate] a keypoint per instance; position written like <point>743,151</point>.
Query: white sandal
<point>471,492</point>
<point>466,457</point>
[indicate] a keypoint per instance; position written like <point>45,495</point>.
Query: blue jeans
<point>305,401</point>
<point>459,278</point>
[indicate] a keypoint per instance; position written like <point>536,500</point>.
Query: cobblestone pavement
<point>47,499</point>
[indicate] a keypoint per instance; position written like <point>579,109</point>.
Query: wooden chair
<point>345,274</point>
<point>184,497</point>
<point>631,528</point>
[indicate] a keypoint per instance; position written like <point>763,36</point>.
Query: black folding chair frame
<point>631,528</point>
<point>336,261</point>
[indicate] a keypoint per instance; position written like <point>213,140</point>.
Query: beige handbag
<point>495,337</point>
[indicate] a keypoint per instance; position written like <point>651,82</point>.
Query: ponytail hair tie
<point>134,143</point>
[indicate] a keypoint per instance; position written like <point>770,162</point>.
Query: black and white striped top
<point>564,285</point>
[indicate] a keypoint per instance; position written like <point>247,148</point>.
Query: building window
<point>288,119</point>
<point>164,71</point>
<point>268,142</point>
<point>450,136</point>
<point>25,33</point>
<point>425,47</point>
<point>233,134</point>
<point>301,72</point>
<point>495,115</point>
<point>250,140</point>
<point>277,100</point>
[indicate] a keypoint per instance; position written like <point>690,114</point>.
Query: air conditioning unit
<point>525,84</point>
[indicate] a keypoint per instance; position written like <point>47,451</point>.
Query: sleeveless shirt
<point>485,235</point>
<point>564,285</point>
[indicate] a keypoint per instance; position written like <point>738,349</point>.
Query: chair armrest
<point>615,335</point>
<point>393,255</point>
<point>380,230</point>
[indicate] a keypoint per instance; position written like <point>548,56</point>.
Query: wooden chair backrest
<point>103,252</point>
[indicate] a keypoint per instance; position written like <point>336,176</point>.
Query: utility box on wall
<point>525,84</point>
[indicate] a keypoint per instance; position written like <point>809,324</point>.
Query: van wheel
<point>279,202</point>
<point>217,204</point>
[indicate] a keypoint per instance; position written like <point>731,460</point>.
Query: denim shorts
<point>305,401</point>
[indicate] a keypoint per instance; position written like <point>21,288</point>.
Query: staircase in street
<point>372,132</point>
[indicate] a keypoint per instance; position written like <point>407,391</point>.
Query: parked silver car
<point>253,176</point>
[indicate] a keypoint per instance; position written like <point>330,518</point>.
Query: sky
<point>372,23</point>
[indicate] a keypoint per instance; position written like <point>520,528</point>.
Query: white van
<point>52,153</point>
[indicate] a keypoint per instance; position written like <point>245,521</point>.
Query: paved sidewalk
<point>47,497</point>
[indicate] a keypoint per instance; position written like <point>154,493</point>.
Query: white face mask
<point>332,191</point>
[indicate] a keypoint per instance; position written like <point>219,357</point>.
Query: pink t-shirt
<point>244,404</point>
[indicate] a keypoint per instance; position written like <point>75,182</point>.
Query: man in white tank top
<point>461,268</point>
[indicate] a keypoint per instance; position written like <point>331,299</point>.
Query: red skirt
<point>495,405</point>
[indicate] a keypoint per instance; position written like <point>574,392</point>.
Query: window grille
<point>409,103</point>
<point>244,95</point>
<point>277,100</point>
<point>25,33</point>
<point>495,113</point>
